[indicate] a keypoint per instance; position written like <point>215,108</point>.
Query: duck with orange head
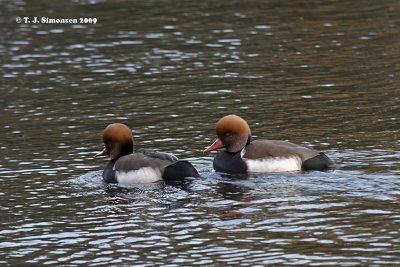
<point>145,166</point>
<point>242,155</point>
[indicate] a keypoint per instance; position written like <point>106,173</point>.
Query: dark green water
<point>325,74</point>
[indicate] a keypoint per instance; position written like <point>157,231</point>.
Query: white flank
<point>277,164</point>
<point>145,175</point>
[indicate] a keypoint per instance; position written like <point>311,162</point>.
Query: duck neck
<point>248,141</point>
<point>127,148</point>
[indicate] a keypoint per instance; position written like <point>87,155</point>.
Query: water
<point>325,75</point>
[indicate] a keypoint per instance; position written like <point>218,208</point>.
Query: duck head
<point>233,133</point>
<point>118,141</point>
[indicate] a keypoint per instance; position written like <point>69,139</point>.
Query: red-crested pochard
<point>264,156</point>
<point>141,167</point>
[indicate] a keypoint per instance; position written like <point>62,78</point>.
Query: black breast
<point>109,173</point>
<point>229,162</point>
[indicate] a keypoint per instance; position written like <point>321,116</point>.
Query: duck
<point>143,166</point>
<point>241,155</point>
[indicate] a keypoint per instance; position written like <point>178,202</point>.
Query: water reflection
<point>324,75</point>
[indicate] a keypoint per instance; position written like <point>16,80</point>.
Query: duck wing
<point>274,148</point>
<point>162,157</point>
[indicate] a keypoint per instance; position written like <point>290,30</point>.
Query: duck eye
<point>227,134</point>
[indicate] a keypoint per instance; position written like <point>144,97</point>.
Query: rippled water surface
<point>324,74</point>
